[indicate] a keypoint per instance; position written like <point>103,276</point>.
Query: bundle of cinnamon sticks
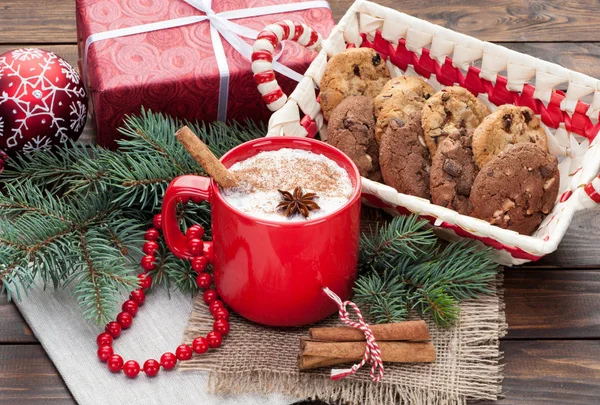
<point>402,342</point>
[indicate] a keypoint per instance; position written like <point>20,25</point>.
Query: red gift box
<point>175,70</point>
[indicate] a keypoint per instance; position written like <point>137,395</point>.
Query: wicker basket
<point>443,57</point>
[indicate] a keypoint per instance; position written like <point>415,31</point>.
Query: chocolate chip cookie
<point>399,98</point>
<point>354,72</point>
<point>404,158</point>
<point>517,188</point>
<point>509,124</point>
<point>351,129</point>
<point>454,110</point>
<point>453,171</point>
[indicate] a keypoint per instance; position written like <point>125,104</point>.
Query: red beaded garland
<point>216,304</point>
<point>204,280</point>
<point>195,246</point>
<point>207,251</point>
<point>200,345</point>
<point>221,326</point>
<point>113,329</point>
<point>221,313</point>
<point>168,361</point>
<point>194,232</point>
<point>104,353</point>
<point>150,247</point>
<point>131,307</point>
<point>145,281</point>
<point>199,264</point>
<point>115,363</point>
<point>151,234</point>
<point>104,339</point>
<point>202,253</point>
<point>209,296</point>
<point>148,262</point>
<point>157,221</point>
<point>131,368</point>
<point>183,352</point>
<point>151,367</point>
<point>214,339</point>
<point>138,296</point>
<point>125,319</point>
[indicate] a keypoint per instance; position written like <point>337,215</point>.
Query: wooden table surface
<point>552,350</point>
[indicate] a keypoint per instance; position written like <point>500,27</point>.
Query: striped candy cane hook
<point>262,56</point>
<point>372,352</point>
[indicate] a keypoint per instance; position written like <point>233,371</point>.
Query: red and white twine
<point>372,352</point>
<point>262,56</point>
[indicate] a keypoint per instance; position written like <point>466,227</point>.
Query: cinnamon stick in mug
<point>205,158</point>
<point>394,352</point>
<point>409,330</point>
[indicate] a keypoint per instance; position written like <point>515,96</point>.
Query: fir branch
<point>403,267</point>
<point>403,237</point>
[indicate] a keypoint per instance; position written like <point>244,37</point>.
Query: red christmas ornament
<point>168,361</point>
<point>214,339</point>
<point>151,367</point>
<point>125,320</point>
<point>199,345</point>
<point>131,368</point>
<point>204,280</point>
<point>130,306</point>
<point>221,326</point>
<point>42,101</point>
<point>104,339</point>
<point>104,353</point>
<point>183,352</point>
<point>113,329</point>
<point>115,363</point>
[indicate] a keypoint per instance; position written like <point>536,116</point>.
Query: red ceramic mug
<point>273,272</point>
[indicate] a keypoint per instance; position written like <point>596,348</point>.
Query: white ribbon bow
<point>220,26</point>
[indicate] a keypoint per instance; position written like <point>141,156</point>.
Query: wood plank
<point>552,304</point>
<point>536,372</point>
<point>550,372</point>
<point>579,247</point>
<point>13,328</point>
<point>28,377</point>
<point>32,21</point>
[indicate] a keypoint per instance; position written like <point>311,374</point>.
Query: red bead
<point>151,367</point>
<point>195,246</point>
<point>210,295</point>
<point>221,326</point>
<point>151,234</point>
<point>221,313</point>
<point>200,345</point>
<point>168,361</point>
<point>115,363</point>
<point>150,247</point>
<point>113,329</point>
<point>214,339</point>
<point>138,296</point>
<point>216,304</point>
<point>148,262</point>
<point>125,319</point>
<point>104,353</point>
<point>131,307</point>
<point>183,352</point>
<point>157,221</point>
<point>207,251</point>
<point>131,368</point>
<point>194,232</point>
<point>104,339</point>
<point>204,280</point>
<point>199,264</point>
<point>145,281</point>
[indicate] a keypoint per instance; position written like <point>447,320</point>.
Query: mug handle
<point>182,188</point>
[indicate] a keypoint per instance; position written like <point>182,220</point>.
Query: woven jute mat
<point>255,358</point>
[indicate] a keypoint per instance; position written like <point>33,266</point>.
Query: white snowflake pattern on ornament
<point>27,54</point>
<point>69,71</point>
<point>79,111</point>
<point>48,93</point>
<point>37,143</point>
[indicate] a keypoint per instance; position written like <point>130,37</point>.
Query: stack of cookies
<point>443,146</point>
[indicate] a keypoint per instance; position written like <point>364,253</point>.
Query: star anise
<point>297,202</point>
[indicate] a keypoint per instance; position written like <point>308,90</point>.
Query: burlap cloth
<point>261,359</point>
